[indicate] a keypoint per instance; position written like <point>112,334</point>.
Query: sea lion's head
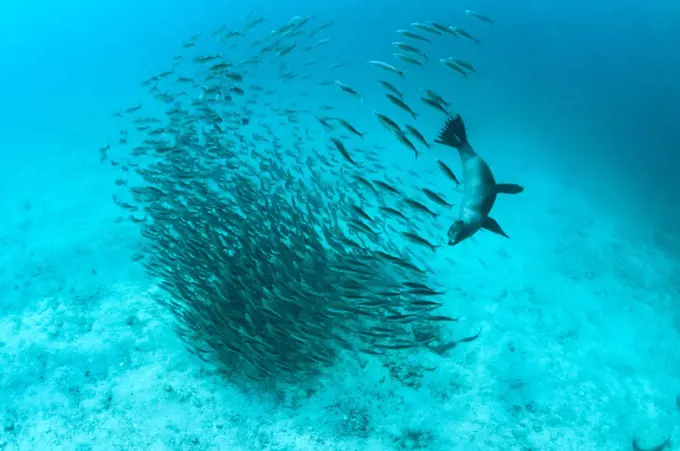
<point>458,232</point>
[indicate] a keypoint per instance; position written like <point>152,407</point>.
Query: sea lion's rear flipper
<point>453,133</point>
<point>491,225</point>
<point>508,188</point>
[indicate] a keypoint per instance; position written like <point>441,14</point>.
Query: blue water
<point>580,309</point>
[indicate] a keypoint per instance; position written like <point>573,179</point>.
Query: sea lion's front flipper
<point>508,188</point>
<point>491,225</point>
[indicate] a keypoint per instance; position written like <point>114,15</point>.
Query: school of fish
<point>279,241</point>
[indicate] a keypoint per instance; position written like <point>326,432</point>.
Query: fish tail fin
<point>402,74</point>
<point>453,133</point>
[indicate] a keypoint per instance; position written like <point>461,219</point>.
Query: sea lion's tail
<point>453,133</point>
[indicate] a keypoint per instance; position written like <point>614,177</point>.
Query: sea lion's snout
<point>456,232</point>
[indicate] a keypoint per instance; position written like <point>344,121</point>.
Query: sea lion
<point>480,187</point>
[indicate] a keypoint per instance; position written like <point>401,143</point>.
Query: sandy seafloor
<point>578,311</point>
<point>578,350</point>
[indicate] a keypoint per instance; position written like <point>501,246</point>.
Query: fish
<point>416,134</point>
<point>325,122</point>
<point>436,98</point>
<point>426,28</point>
<point>317,44</point>
<point>388,123</point>
<point>420,207</point>
<point>132,109</point>
<point>351,128</point>
<point>440,318</point>
<point>103,153</point>
<point>479,16</point>
<point>400,103</point>
<point>365,182</point>
<point>393,212</point>
<point>286,50</point>
<point>442,28</point>
<point>463,64</point>
<point>448,172</point>
<point>347,89</point>
<point>220,66</point>
<point>407,59</point>
<point>453,66</point>
<point>434,104</point>
<point>343,151</point>
<point>391,88</point>
<point>414,36</point>
<point>410,49</point>
<point>387,67</point>
<point>360,211</point>
<point>465,34</point>
<point>254,23</point>
<point>436,198</point>
<point>234,76</point>
<point>407,142</point>
<point>387,187</point>
<point>417,239</point>
<point>320,28</point>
